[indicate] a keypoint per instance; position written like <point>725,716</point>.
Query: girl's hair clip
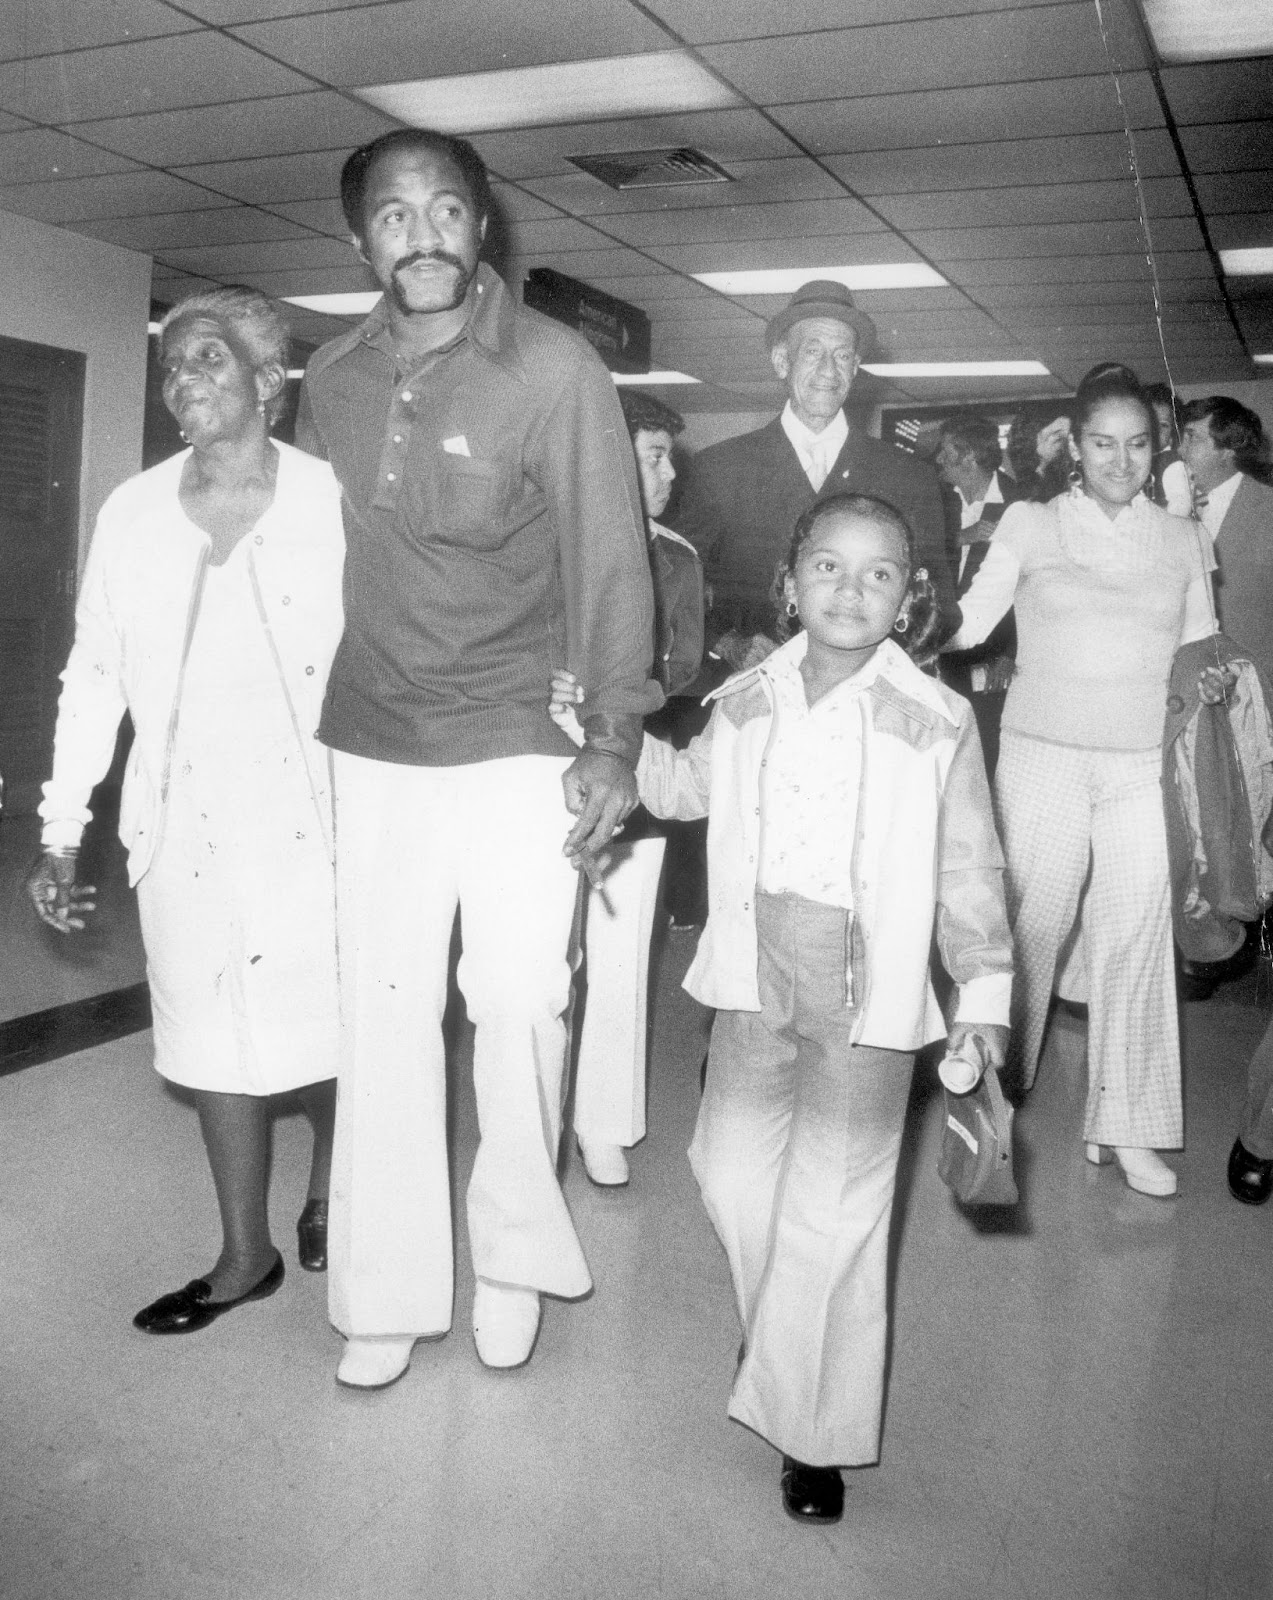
<point>921,572</point>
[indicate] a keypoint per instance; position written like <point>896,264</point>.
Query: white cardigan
<point>925,853</point>
<point>133,624</point>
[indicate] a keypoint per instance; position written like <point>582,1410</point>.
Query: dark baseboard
<point>80,1025</point>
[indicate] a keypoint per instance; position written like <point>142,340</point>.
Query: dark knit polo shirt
<point>493,533</point>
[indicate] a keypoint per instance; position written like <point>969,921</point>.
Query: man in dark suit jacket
<point>968,459</point>
<point>1224,446</point>
<point>746,493</point>
<point>1226,451</point>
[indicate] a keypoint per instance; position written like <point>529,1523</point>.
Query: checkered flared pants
<point>1064,813</point>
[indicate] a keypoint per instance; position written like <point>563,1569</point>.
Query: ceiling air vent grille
<point>652,169</point>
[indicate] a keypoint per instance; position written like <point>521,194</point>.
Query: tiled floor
<point>1080,1404</point>
<point>1078,1408</point>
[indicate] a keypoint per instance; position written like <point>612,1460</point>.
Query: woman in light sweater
<point>1106,586</point>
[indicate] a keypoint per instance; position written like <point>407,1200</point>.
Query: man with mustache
<point>493,529</point>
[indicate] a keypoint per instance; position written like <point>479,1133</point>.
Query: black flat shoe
<point>1250,1177</point>
<point>311,1236</point>
<point>189,1309</point>
<point>811,1494</point>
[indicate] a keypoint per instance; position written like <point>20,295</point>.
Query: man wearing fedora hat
<point>746,493</point>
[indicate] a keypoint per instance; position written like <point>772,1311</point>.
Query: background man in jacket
<point>746,493</point>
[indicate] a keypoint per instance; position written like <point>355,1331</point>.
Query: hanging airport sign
<point>619,332</point>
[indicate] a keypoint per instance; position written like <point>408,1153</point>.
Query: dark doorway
<point>41,419</point>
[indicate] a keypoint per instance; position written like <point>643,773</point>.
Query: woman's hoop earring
<point>793,610</point>
<point>1075,476</point>
<point>901,625</point>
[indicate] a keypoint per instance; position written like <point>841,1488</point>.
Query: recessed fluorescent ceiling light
<point>786,280</point>
<point>654,377</point>
<point>1247,263</point>
<point>1209,30</point>
<point>565,91</point>
<point>1265,360</point>
<point>956,369</point>
<point>336,305</point>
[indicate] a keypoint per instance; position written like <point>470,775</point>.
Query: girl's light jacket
<point>134,621</point>
<point>925,853</point>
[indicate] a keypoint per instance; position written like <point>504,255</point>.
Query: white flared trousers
<point>611,1070</point>
<point>412,843</point>
<point>796,1154</point>
<point>1067,817</point>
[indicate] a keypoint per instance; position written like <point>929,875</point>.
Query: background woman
<point>1106,586</point>
<point>210,610</point>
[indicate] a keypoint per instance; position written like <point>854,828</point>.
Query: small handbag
<point>976,1145</point>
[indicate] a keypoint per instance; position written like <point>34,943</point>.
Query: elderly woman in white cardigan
<point>210,610</point>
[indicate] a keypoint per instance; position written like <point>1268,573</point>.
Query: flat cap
<point>822,297</point>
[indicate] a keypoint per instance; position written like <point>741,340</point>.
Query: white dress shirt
<point>817,451</point>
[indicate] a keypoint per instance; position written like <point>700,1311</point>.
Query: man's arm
<point>582,459</point>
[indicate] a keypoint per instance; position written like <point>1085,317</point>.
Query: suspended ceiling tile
<point>725,136</point>
<point>517,205</point>
<point>1065,238</point>
<point>317,216</point>
<point>178,229</point>
<point>226,13</point>
<point>1076,268</point>
<point>1042,204</point>
<point>309,175</point>
<point>311,280</point>
<point>755,182</point>
<point>1235,191</point>
<point>860,249</point>
<point>560,235</point>
<point>1023,318</point>
<point>51,26</point>
<point>702,21</point>
<point>881,302</point>
<point>119,195</point>
<point>281,255</point>
<point>1059,41</point>
<point>1048,108</point>
<point>39,154</point>
<point>1130,291</point>
<point>321,120</point>
<point>799,221</point>
<point>1220,91</point>
<point>1070,159</point>
<point>411,40</point>
<point>592,265</point>
<point>1228,147</point>
<point>1241,231</point>
<point>188,69</point>
<point>658,283</point>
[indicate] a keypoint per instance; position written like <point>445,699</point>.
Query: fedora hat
<point>822,297</point>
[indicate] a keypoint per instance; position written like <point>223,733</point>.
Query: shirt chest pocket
<point>473,503</point>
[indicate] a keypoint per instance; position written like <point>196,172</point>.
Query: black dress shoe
<point>311,1236</point>
<point>1250,1177</point>
<point>189,1309</point>
<point>811,1494</point>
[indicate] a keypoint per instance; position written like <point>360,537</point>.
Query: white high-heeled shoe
<point>1143,1170</point>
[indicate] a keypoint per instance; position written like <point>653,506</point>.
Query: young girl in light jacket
<point>849,817</point>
